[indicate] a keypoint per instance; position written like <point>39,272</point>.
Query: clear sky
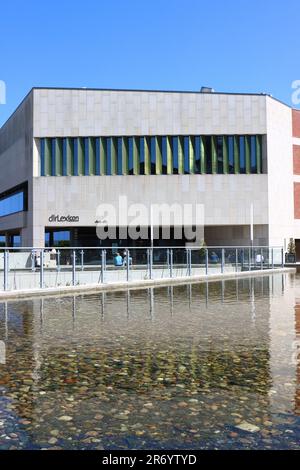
<point>231,45</point>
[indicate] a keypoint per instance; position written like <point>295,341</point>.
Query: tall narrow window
<point>164,156</point>
<point>120,157</point>
<point>86,157</point>
<point>53,156</point>
<point>231,154</point>
<point>186,150</point>
<point>43,172</point>
<point>108,161</point>
<point>153,155</point>
<point>220,155</point>
<point>75,146</point>
<point>64,162</point>
<point>97,150</point>
<point>208,152</point>
<point>253,154</point>
<point>130,156</point>
<point>142,155</point>
<point>175,155</point>
<point>197,155</point>
<point>242,155</point>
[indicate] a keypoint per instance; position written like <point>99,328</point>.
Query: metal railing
<point>32,268</point>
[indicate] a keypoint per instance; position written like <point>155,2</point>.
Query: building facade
<point>65,151</point>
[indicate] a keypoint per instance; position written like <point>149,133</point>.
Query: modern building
<point>65,151</point>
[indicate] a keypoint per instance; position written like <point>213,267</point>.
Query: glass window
<point>97,166</point>
<point>61,238</point>
<point>164,156</point>
<point>16,241</point>
<point>153,155</point>
<point>43,144</point>
<point>109,154</point>
<point>2,240</point>
<point>130,156</point>
<point>75,144</point>
<point>197,155</point>
<point>253,151</point>
<point>142,155</point>
<point>64,172</point>
<point>242,155</point>
<point>86,157</point>
<point>120,156</point>
<point>53,156</point>
<point>108,157</point>
<point>208,153</point>
<point>12,204</point>
<point>220,155</point>
<point>186,150</point>
<point>175,155</point>
<point>231,154</point>
<point>47,239</point>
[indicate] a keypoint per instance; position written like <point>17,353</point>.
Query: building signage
<point>64,218</point>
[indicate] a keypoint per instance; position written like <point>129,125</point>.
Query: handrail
<point>186,247</point>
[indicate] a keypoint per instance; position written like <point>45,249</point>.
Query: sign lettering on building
<point>63,218</point>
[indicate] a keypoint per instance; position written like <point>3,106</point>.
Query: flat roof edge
<point>142,91</point>
<point>191,92</point>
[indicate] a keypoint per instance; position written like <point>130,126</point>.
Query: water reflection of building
<point>297,357</point>
<point>220,336</point>
<point>282,344</point>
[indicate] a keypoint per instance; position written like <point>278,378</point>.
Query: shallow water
<point>207,366</point>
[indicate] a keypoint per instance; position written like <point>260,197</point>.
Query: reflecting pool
<point>206,366</point>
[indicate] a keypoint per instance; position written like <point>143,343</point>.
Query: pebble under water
<point>203,366</point>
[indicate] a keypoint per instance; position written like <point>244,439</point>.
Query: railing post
<point>282,257</point>
<point>82,260</point>
<point>223,261</point>
<point>150,262</point>
<point>58,260</point>
<point>272,258</point>
<point>261,259</point>
<point>206,262</point>
<point>103,265</point>
<point>6,269</point>
<point>42,281</point>
<point>189,261</point>
<point>236,260</point>
<point>74,268</point>
<point>32,260</point>
<point>127,265</point>
<point>171,263</point>
<point>250,256</point>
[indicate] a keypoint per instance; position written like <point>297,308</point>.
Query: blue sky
<point>232,45</point>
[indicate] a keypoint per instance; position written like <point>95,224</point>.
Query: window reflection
<point>12,204</point>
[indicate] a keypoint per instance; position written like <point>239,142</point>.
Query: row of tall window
<point>159,155</point>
